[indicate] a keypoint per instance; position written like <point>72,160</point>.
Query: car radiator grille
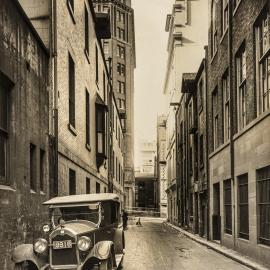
<point>63,256</point>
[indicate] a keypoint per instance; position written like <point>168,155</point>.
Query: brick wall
<point>24,67</point>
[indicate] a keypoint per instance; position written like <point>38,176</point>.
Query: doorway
<point>216,212</point>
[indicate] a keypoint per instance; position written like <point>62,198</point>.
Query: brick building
<point>24,128</point>
<point>121,50</point>
<point>187,36</point>
<point>85,122</point>
<point>239,125</point>
<point>191,154</point>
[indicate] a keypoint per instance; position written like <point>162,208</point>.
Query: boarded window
<point>228,206</point>
<point>263,180</point>
<point>243,206</point>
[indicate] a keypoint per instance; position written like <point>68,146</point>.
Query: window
<point>243,206</point>
<point>70,5</point>
<point>226,106</point>
<point>214,27</point>
<point>201,95</point>
<point>263,180</point>
<point>225,15</point>
<point>263,61</point>
<point>121,69</point>
<point>106,47</point>
<point>87,117</point>
<point>241,88</point>
<point>97,187</point>
<point>71,70</point>
<point>104,85</point>
<point>215,118</point>
<point>100,127</point>
<point>120,16</point>
<point>87,185</point>
<point>105,190</point>
<point>228,206</point>
<point>190,114</point>
<point>201,150</point>
<point>97,71</point>
<point>33,167</point>
<point>42,169</point>
<point>122,104</point>
<point>72,182</point>
<point>86,30</point>
<point>106,9</point>
<point>121,33</point>
<point>3,134</point>
<point>121,87</point>
<point>190,161</point>
<point>121,51</point>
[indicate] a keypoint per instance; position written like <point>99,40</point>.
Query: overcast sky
<point>151,56</point>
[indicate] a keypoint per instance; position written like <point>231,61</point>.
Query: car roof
<point>83,198</point>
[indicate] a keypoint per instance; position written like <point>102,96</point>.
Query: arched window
<point>214,26</point>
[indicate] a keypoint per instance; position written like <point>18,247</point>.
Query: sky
<point>151,57</point>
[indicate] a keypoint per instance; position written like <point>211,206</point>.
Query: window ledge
<point>223,36</point>
<point>72,129</point>
<point>243,239</point>
<point>264,246</point>
<point>88,147</point>
<point>87,56</point>
<point>33,191</point>
<point>219,149</point>
<point>7,188</point>
<point>42,193</point>
<point>71,12</point>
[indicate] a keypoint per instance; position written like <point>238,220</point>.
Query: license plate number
<point>62,244</point>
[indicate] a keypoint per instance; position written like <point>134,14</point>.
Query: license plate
<point>62,244</point>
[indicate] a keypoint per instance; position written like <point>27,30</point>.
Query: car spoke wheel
<point>106,264</point>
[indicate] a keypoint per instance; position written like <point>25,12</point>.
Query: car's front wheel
<point>25,266</point>
<point>107,264</point>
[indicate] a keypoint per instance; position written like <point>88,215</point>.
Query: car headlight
<point>46,228</point>
<point>40,245</point>
<point>84,243</point>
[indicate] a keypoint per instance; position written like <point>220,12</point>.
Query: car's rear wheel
<point>25,266</point>
<point>107,264</point>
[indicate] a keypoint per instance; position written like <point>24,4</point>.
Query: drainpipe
<point>207,142</point>
<point>55,94</point>
<point>230,55</point>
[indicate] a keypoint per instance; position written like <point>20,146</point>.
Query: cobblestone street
<point>156,246</point>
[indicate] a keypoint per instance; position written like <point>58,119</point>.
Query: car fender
<point>101,251</point>
<point>119,241</point>
<point>25,252</point>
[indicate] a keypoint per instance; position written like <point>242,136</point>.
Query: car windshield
<point>89,213</point>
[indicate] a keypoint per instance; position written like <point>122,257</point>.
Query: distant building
<point>239,126</point>
<point>24,128</point>
<point>187,37</point>
<point>161,165</point>
<point>146,188</point>
<point>121,50</point>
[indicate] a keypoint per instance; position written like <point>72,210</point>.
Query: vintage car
<point>85,233</point>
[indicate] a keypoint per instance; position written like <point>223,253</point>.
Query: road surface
<point>155,246</point>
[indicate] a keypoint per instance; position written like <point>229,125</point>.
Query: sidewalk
<point>232,254</point>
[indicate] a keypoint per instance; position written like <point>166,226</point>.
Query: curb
<point>246,261</point>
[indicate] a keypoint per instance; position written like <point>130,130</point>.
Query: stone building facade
<point>24,128</point>
<point>121,50</point>
<point>239,125</point>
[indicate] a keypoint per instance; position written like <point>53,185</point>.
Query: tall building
<point>121,50</point>
<point>187,31</point>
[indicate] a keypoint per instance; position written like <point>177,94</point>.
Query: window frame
<point>226,106</point>
<point>72,186</point>
<point>72,90</point>
<point>87,118</point>
<point>86,30</point>
<point>215,118</point>
<point>214,32</point>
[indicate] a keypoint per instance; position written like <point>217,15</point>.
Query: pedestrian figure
<point>125,219</point>
<point>138,223</point>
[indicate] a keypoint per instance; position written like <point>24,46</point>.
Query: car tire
<point>107,264</point>
<point>22,267</point>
